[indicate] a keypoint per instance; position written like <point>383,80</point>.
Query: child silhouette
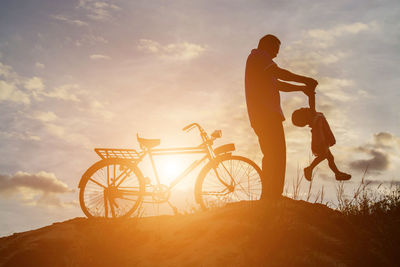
<point>321,138</point>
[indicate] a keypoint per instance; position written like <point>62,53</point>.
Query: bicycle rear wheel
<point>228,179</point>
<point>111,188</point>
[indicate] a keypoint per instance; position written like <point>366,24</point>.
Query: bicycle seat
<point>148,143</point>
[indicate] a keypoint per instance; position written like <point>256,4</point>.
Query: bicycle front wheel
<point>228,179</point>
<point>111,188</point>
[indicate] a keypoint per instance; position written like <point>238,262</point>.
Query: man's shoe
<point>341,176</point>
<point>308,173</point>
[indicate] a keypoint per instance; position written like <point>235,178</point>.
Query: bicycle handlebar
<point>207,141</point>
<point>190,126</point>
<point>203,134</point>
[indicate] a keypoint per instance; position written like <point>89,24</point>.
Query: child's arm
<point>311,101</point>
<point>311,98</point>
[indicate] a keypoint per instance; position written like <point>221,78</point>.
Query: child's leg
<point>316,161</point>
<point>308,170</point>
<point>331,162</point>
<point>340,176</point>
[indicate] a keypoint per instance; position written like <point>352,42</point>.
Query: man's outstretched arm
<point>288,87</point>
<point>309,91</point>
<point>286,75</point>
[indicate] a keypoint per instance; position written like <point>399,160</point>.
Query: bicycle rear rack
<point>117,153</point>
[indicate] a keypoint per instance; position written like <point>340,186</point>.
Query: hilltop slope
<point>288,233</point>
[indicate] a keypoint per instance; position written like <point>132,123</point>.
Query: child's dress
<point>321,135</point>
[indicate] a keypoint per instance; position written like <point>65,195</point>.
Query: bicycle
<point>115,186</point>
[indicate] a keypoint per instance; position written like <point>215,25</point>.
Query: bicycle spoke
<point>124,198</point>
<point>94,181</point>
<point>123,179</point>
<point>119,176</point>
<point>244,179</point>
<point>114,176</point>
<point>130,193</point>
<point>105,206</point>
<point>117,201</point>
<point>215,193</point>
<point>108,175</point>
<point>230,174</point>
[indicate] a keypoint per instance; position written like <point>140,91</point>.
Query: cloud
<point>98,56</point>
<point>91,40</point>
<point>25,135</point>
<point>34,84</point>
<point>98,10</point>
<point>39,65</point>
<point>314,51</point>
<point>339,30</point>
<point>63,92</point>
<point>98,108</point>
<point>41,181</point>
<point>326,37</point>
<point>381,150</point>
<point>45,116</point>
<point>41,188</point>
<point>62,131</point>
<point>306,58</point>
<point>9,92</point>
<point>68,20</point>
<point>386,140</point>
<point>5,70</point>
<point>9,86</point>
<point>178,51</point>
<point>379,161</point>
<point>336,88</point>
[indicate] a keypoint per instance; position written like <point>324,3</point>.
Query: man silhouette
<point>262,83</point>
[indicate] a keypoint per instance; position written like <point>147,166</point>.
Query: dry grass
<point>366,199</point>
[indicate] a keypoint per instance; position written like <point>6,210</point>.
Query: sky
<point>75,75</point>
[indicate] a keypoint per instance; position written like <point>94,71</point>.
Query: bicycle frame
<point>136,157</point>
<point>205,147</point>
<point>175,151</point>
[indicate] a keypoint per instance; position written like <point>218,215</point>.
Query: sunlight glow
<point>170,168</point>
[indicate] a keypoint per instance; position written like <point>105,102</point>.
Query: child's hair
<point>301,117</point>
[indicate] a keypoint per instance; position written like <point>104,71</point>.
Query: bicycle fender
<point>84,177</point>
<point>224,149</point>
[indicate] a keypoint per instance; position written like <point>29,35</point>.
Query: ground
<point>286,233</point>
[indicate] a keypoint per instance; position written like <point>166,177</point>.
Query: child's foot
<point>308,173</point>
<point>341,176</point>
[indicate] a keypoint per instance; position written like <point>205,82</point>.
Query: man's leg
<point>271,137</point>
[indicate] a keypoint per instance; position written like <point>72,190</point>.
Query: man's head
<point>270,44</point>
<point>301,117</point>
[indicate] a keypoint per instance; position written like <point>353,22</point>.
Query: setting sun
<point>170,168</point>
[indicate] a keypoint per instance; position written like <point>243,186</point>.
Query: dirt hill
<point>287,233</point>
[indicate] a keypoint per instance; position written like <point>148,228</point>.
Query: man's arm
<point>288,87</point>
<point>309,91</point>
<point>286,75</point>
